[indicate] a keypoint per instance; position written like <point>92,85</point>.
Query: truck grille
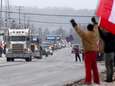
<point>17,48</point>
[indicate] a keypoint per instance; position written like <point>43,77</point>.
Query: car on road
<point>46,49</point>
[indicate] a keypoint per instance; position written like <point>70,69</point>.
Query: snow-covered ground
<point>54,70</point>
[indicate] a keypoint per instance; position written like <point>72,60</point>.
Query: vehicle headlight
<point>50,47</point>
<point>27,50</point>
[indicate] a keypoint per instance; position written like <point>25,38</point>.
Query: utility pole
<point>1,5</point>
<point>20,8</point>
<point>1,14</point>
<point>7,13</point>
<point>28,23</point>
<point>9,23</point>
<point>19,15</point>
<point>24,21</point>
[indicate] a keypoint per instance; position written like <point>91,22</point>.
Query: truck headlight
<point>27,50</point>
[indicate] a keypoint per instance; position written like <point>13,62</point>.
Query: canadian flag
<point>106,12</point>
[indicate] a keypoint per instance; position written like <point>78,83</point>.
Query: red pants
<point>91,67</point>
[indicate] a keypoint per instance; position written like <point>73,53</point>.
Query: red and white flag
<point>106,11</point>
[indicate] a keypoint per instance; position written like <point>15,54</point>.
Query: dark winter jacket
<point>76,50</point>
<point>109,41</point>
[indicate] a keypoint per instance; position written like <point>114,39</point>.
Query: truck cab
<point>18,44</point>
<point>36,47</point>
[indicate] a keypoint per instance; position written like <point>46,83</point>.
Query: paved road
<point>51,71</point>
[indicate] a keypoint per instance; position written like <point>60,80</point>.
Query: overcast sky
<point>76,4</point>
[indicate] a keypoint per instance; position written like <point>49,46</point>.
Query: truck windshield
<point>17,38</point>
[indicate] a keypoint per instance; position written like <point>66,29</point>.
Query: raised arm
<point>77,28</point>
<point>101,32</point>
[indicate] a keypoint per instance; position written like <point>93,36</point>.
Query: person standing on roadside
<point>77,52</point>
<point>114,59</point>
<point>89,39</point>
<point>4,48</point>
<point>1,49</point>
<point>109,49</point>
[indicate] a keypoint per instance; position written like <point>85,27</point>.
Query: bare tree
<point>45,33</point>
<point>61,32</point>
<point>40,32</point>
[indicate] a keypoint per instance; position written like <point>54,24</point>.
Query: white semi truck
<point>18,44</point>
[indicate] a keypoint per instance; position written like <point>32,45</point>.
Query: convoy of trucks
<point>23,44</point>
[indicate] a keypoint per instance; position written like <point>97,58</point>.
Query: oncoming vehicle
<point>46,49</point>
<point>36,47</point>
<point>18,44</point>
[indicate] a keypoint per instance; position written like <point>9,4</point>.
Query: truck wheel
<point>40,57</point>
<point>51,53</point>
<point>12,59</point>
<point>28,59</point>
<point>8,59</point>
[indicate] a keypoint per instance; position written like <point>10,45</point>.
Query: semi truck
<point>18,44</point>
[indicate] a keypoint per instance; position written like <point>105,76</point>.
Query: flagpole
<point>99,21</point>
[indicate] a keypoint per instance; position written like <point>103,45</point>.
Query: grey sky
<point>76,4</point>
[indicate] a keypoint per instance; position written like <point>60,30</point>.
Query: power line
<point>48,22</point>
<point>52,22</point>
<point>41,14</point>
